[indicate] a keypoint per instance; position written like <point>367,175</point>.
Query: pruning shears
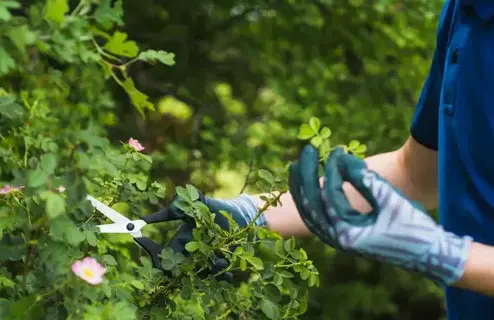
<point>122,224</point>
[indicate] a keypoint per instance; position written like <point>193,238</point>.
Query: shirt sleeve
<point>424,128</point>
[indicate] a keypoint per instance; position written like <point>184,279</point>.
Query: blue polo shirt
<point>455,116</point>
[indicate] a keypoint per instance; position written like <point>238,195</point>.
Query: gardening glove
<point>396,231</point>
<point>242,209</point>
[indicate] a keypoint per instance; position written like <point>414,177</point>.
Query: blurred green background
<point>248,73</point>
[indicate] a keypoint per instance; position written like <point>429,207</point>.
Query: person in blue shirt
<point>377,207</point>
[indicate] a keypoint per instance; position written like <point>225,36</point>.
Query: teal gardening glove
<point>242,209</point>
<point>396,231</point>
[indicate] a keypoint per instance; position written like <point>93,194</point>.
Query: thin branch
<point>251,169</point>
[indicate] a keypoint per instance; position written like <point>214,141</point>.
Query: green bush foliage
<point>216,92</point>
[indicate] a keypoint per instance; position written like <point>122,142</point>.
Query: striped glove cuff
<point>242,208</point>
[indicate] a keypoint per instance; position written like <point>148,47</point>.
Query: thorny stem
<point>268,204</point>
<point>103,52</point>
<point>117,196</point>
<point>251,169</point>
<point>251,223</point>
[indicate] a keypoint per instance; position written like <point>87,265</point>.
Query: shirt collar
<point>483,8</point>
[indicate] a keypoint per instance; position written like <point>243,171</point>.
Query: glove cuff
<point>251,206</point>
<point>445,262</point>
<point>242,208</point>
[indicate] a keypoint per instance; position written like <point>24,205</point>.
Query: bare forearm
<point>479,270</point>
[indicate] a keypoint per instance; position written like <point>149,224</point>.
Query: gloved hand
<point>242,209</point>
<point>397,230</point>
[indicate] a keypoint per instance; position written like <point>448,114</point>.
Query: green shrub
<point>54,151</point>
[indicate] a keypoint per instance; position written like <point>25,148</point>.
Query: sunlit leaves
<point>118,44</point>
<point>139,99</point>
<point>6,62</point>
<point>5,7</point>
<point>55,132</point>
<point>55,204</point>
<point>9,107</point>
<point>55,10</point>
<point>22,36</point>
<point>153,56</point>
<point>107,15</point>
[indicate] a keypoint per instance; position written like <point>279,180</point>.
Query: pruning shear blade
<point>107,211</point>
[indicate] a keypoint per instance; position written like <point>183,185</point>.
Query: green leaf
<point>306,132</point>
<point>182,193</point>
<point>108,16</point>
<point>255,262</point>
<point>49,162</point>
<point>21,37</point>
<point>167,264</point>
<point>8,107</point>
<point>316,141</point>
<point>4,308</point>
<point>119,45</point>
<point>5,5</point>
<point>286,274</point>
<point>55,10</point>
<point>295,254</point>
<point>138,284</point>
<point>6,62</point>
<point>192,191</point>
<point>139,99</point>
<point>290,244</point>
<point>110,260</point>
<point>6,282</point>
<point>141,185</point>
<point>55,204</point>
<point>19,307</point>
<point>243,264</point>
<point>272,292</point>
<point>192,246</point>
<point>36,178</point>
<point>91,238</point>
<point>312,280</point>
<point>270,309</point>
<point>325,133</point>
<point>64,230</point>
<point>161,56</point>
<point>315,124</point>
<point>266,175</point>
<point>353,144</point>
<point>360,149</point>
<point>279,247</point>
<point>278,279</point>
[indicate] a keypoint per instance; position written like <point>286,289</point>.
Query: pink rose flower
<point>89,270</point>
<point>7,189</point>
<point>135,144</point>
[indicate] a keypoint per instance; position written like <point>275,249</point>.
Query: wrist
<point>243,209</point>
<point>479,270</point>
<point>446,259</point>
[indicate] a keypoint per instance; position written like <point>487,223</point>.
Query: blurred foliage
<point>247,73</point>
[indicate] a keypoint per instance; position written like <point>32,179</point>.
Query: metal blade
<point>107,211</point>
<point>133,227</point>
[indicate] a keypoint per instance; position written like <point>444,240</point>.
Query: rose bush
<point>57,64</point>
